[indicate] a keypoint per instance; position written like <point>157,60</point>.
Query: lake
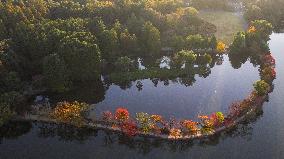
<point>259,137</point>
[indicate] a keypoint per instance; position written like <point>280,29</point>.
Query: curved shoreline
<point>233,119</point>
<point>98,125</point>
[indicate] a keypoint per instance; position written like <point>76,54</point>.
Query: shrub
<point>261,87</point>
<point>156,118</point>
<point>70,112</point>
<point>239,42</point>
<point>251,29</point>
<point>263,29</point>
<point>145,122</point>
<point>221,47</point>
<point>124,64</point>
<point>129,128</point>
<point>207,124</point>
<point>184,57</point>
<point>218,118</point>
<point>189,127</point>
<point>121,114</point>
<point>268,74</point>
<point>208,58</point>
<point>268,59</point>
<point>175,133</point>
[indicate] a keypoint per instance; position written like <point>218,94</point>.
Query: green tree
<point>194,41</point>
<point>239,42</point>
<point>261,87</point>
<point>124,64</point>
<point>128,42</point>
<point>134,24</point>
<point>96,26</point>
<point>177,42</point>
<point>109,43</point>
<point>118,27</point>
<point>24,11</point>
<point>81,56</point>
<point>150,39</point>
<point>65,9</point>
<point>184,57</point>
<point>263,29</point>
<point>56,75</point>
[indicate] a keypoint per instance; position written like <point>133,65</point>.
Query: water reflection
<point>96,92</point>
<point>149,68</point>
<point>142,145</point>
<point>13,130</point>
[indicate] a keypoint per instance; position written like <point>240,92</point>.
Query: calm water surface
<point>261,137</point>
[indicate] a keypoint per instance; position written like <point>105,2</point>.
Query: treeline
<point>55,44</point>
<point>251,43</point>
<point>225,5</point>
<point>270,10</point>
<point>58,37</point>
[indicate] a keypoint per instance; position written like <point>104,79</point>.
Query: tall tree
<point>150,39</point>
<point>81,55</point>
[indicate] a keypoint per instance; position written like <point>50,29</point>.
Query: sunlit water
<point>262,137</point>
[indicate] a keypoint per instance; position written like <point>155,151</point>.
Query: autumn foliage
<point>72,112</point>
<point>221,47</point>
<point>145,123</point>
<point>121,114</point>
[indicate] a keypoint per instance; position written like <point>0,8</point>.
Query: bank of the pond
<point>99,125</point>
<point>170,130</point>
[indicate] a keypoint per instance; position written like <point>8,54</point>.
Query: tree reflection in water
<point>142,145</point>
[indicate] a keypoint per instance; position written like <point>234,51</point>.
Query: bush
<point>145,122</point>
<point>221,47</point>
<point>129,128</point>
<point>261,87</point>
<point>189,127</point>
<point>124,64</point>
<point>207,124</point>
<point>268,74</point>
<point>72,113</point>
<point>121,114</point>
<point>239,42</point>
<point>184,57</point>
<point>263,29</point>
<point>218,118</point>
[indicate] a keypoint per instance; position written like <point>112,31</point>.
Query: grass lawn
<point>228,23</point>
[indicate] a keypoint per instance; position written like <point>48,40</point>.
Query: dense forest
<point>271,10</point>
<point>55,44</point>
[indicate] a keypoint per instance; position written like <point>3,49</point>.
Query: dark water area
<point>172,98</point>
<point>261,137</point>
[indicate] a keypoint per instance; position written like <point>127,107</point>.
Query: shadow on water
<point>142,145</point>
